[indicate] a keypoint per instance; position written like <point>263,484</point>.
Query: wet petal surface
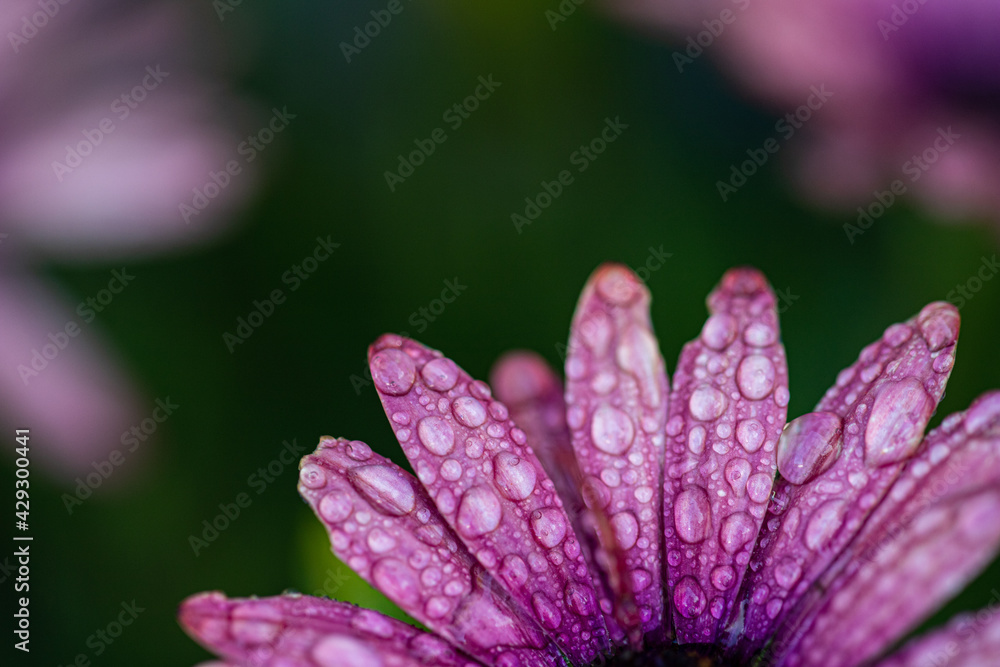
<point>969,640</point>
<point>727,409</point>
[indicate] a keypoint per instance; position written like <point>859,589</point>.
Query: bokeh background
<point>301,373</point>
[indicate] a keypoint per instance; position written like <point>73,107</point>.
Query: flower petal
<point>616,393</point>
<point>385,527</point>
<point>304,631</point>
<point>726,413</point>
<point>933,532</point>
<point>884,401</point>
<point>969,640</point>
<point>490,488</point>
<point>526,383</point>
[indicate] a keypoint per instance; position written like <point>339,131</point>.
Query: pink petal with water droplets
<point>934,531</point>
<point>385,527</point>
<point>534,393</point>
<point>304,631</point>
<point>969,640</point>
<point>616,393</point>
<point>884,401</point>
<point>727,409</point>
<point>490,489</point>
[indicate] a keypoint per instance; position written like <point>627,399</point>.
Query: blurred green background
<point>654,187</point>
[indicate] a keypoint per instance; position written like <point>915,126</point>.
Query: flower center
<point>688,655</point>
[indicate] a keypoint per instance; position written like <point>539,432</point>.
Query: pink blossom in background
<point>134,92</point>
<point>623,519</point>
<point>899,71</point>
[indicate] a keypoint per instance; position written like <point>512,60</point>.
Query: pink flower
<point>112,119</point>
<point>901,74</point>
<point>628,520</point>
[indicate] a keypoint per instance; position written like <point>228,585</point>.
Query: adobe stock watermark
<point>223,7</point>
<point>248,149</point>
<point>131,440</point>
<point>913,168</point>
<point>363,36</point>
<point>786,127</point>
<point>258,481</point>
<point>40,358</point>
<point>421,318</point>
<point>33,22</point>
<point>122,107</point>
<point>562,12</point>
<point>454,116</point>
<point>704,39</point>
<point>294,277</point>
<point>898,17</point>
<point>581,158</point>
<point>963,293</point>
<point>968,629</point>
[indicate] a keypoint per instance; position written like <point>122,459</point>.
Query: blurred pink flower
<point>899,71</point>
<point>113,117</point>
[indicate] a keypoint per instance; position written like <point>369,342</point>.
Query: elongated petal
<point>534,393</point>
<point>969,640</point>
<point>490,488</point>
<point>727,410</point>
<point>305,631</point>
<point>385,527</point>
<point>884,402</point>
<point>932,533</point>
<point>616,396</point>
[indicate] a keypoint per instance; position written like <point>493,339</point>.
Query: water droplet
<point>943,363</point>
<point>479,512</point>
<point>643,494</point>
<point>707,403</point>
<point>312,476</point>
<point>547,612</point>
<point>594,493</point>
<point>824,523</point>
<point>693,515</point>
<point>750,434</point>
<point>603,383</point>
<point>897,422</point>
<point>611,430</point>
<point>737,530</point>
<point>397,581</point>
<point>451,470</point>
<point>696,440</point>
<point>759,487</point>
<point>809,445</point>
<point>719,331</point>
<point>580,600</point>
<point>717,607</point>
<point>595,331</point>
<point>430,577</point>
<point>759,334</point>
<point>773,608</point>
<point>626,529</point>
<point>474,448</point>
<point>436,435</point>
<point>787,573</point>
<point>437,607</point>
<point>380,541</point>
<point>617,285</point>
<point>689,598</point>
<point>440,374</point>
<point>514,570</point>
<point>548,525</point>
<point>393,372</point>
<point>675,425</point>
<point>385,488</point>
<point>341,651</point>
<point>938,325</point>
<point>469,412</point>
<point>870,372</point>
<point>781,396</point>
<point>640,579</point>
<point>723,577</point>
<point>335,507</point>
<point>755,376</point>
<point>737,473</point>
<point>515,478</point>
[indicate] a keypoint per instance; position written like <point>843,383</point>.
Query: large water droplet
<point>938,325</point>
<point>440,374</point>
<point>393,372</point>
<point>759,487</point>
<point>515,478</point>
<point>759,334</point>
<point>385,488</point>
<point>451,470</point>
<point>397,581</point>
<point>719,331</point>
<point>737,473</point>
<point>824,522</point>
<point>723,577</point>
<point>469,411</point>
<point>548,525</point>
<point>479,512</point>
<point>809,445</point>
<point>514,570</point>
<point>547,612</point>
<point>335,507</point>
<point>436,435</point>
<point>380,541</point>
<point>750,434</point>
<point>696,439</point>
<point>897,421</point>
<point>312,476</point>
<point>612,430</point>
<point>707,403</point>
<point>737,530</point>
<point>787,572</point>
<point>689,598</point>
<point>626,529</point>
<point>693,515</point>
<point>755,376</point>
<point>580,600</point>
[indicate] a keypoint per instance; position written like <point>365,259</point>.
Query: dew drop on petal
<point>617,286</point>
<point>693,515</point>
<point>380,542</point>
<point>938,325</point>
<point>393,372</point>
<point>750,435</point>
<point>479,512</point>
<point>451,470</point>
<point>514,570</point>
<point>759,487</point>
<point>440,374</point>
<point>689,598</point>
<point>436,435</point>
<point>759,334</point>
<point>696,440</point>
<point>384,488</point>
<point>469,411</point>
<point>611,430</point>
<point>755,376</point>
<point>626,529</point>
<point>809,445</point>
<point>547,612</point>
<point>342,651</point>
<point>358,450</point>
<point>737,474</point>
<point>514,478</point>
<point>823,523</point>
<point>787,572</point>
<point>548,525</point>
<point>723,577</point>
<point>719,331</point>
<point>737,530</point>
<point>437,607</point>
<point>398,582</point>
<point>580,600</point>
<point>707,403</point>
<point>897,421</point>
<point>312,476</point>
<point>773,608</point>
